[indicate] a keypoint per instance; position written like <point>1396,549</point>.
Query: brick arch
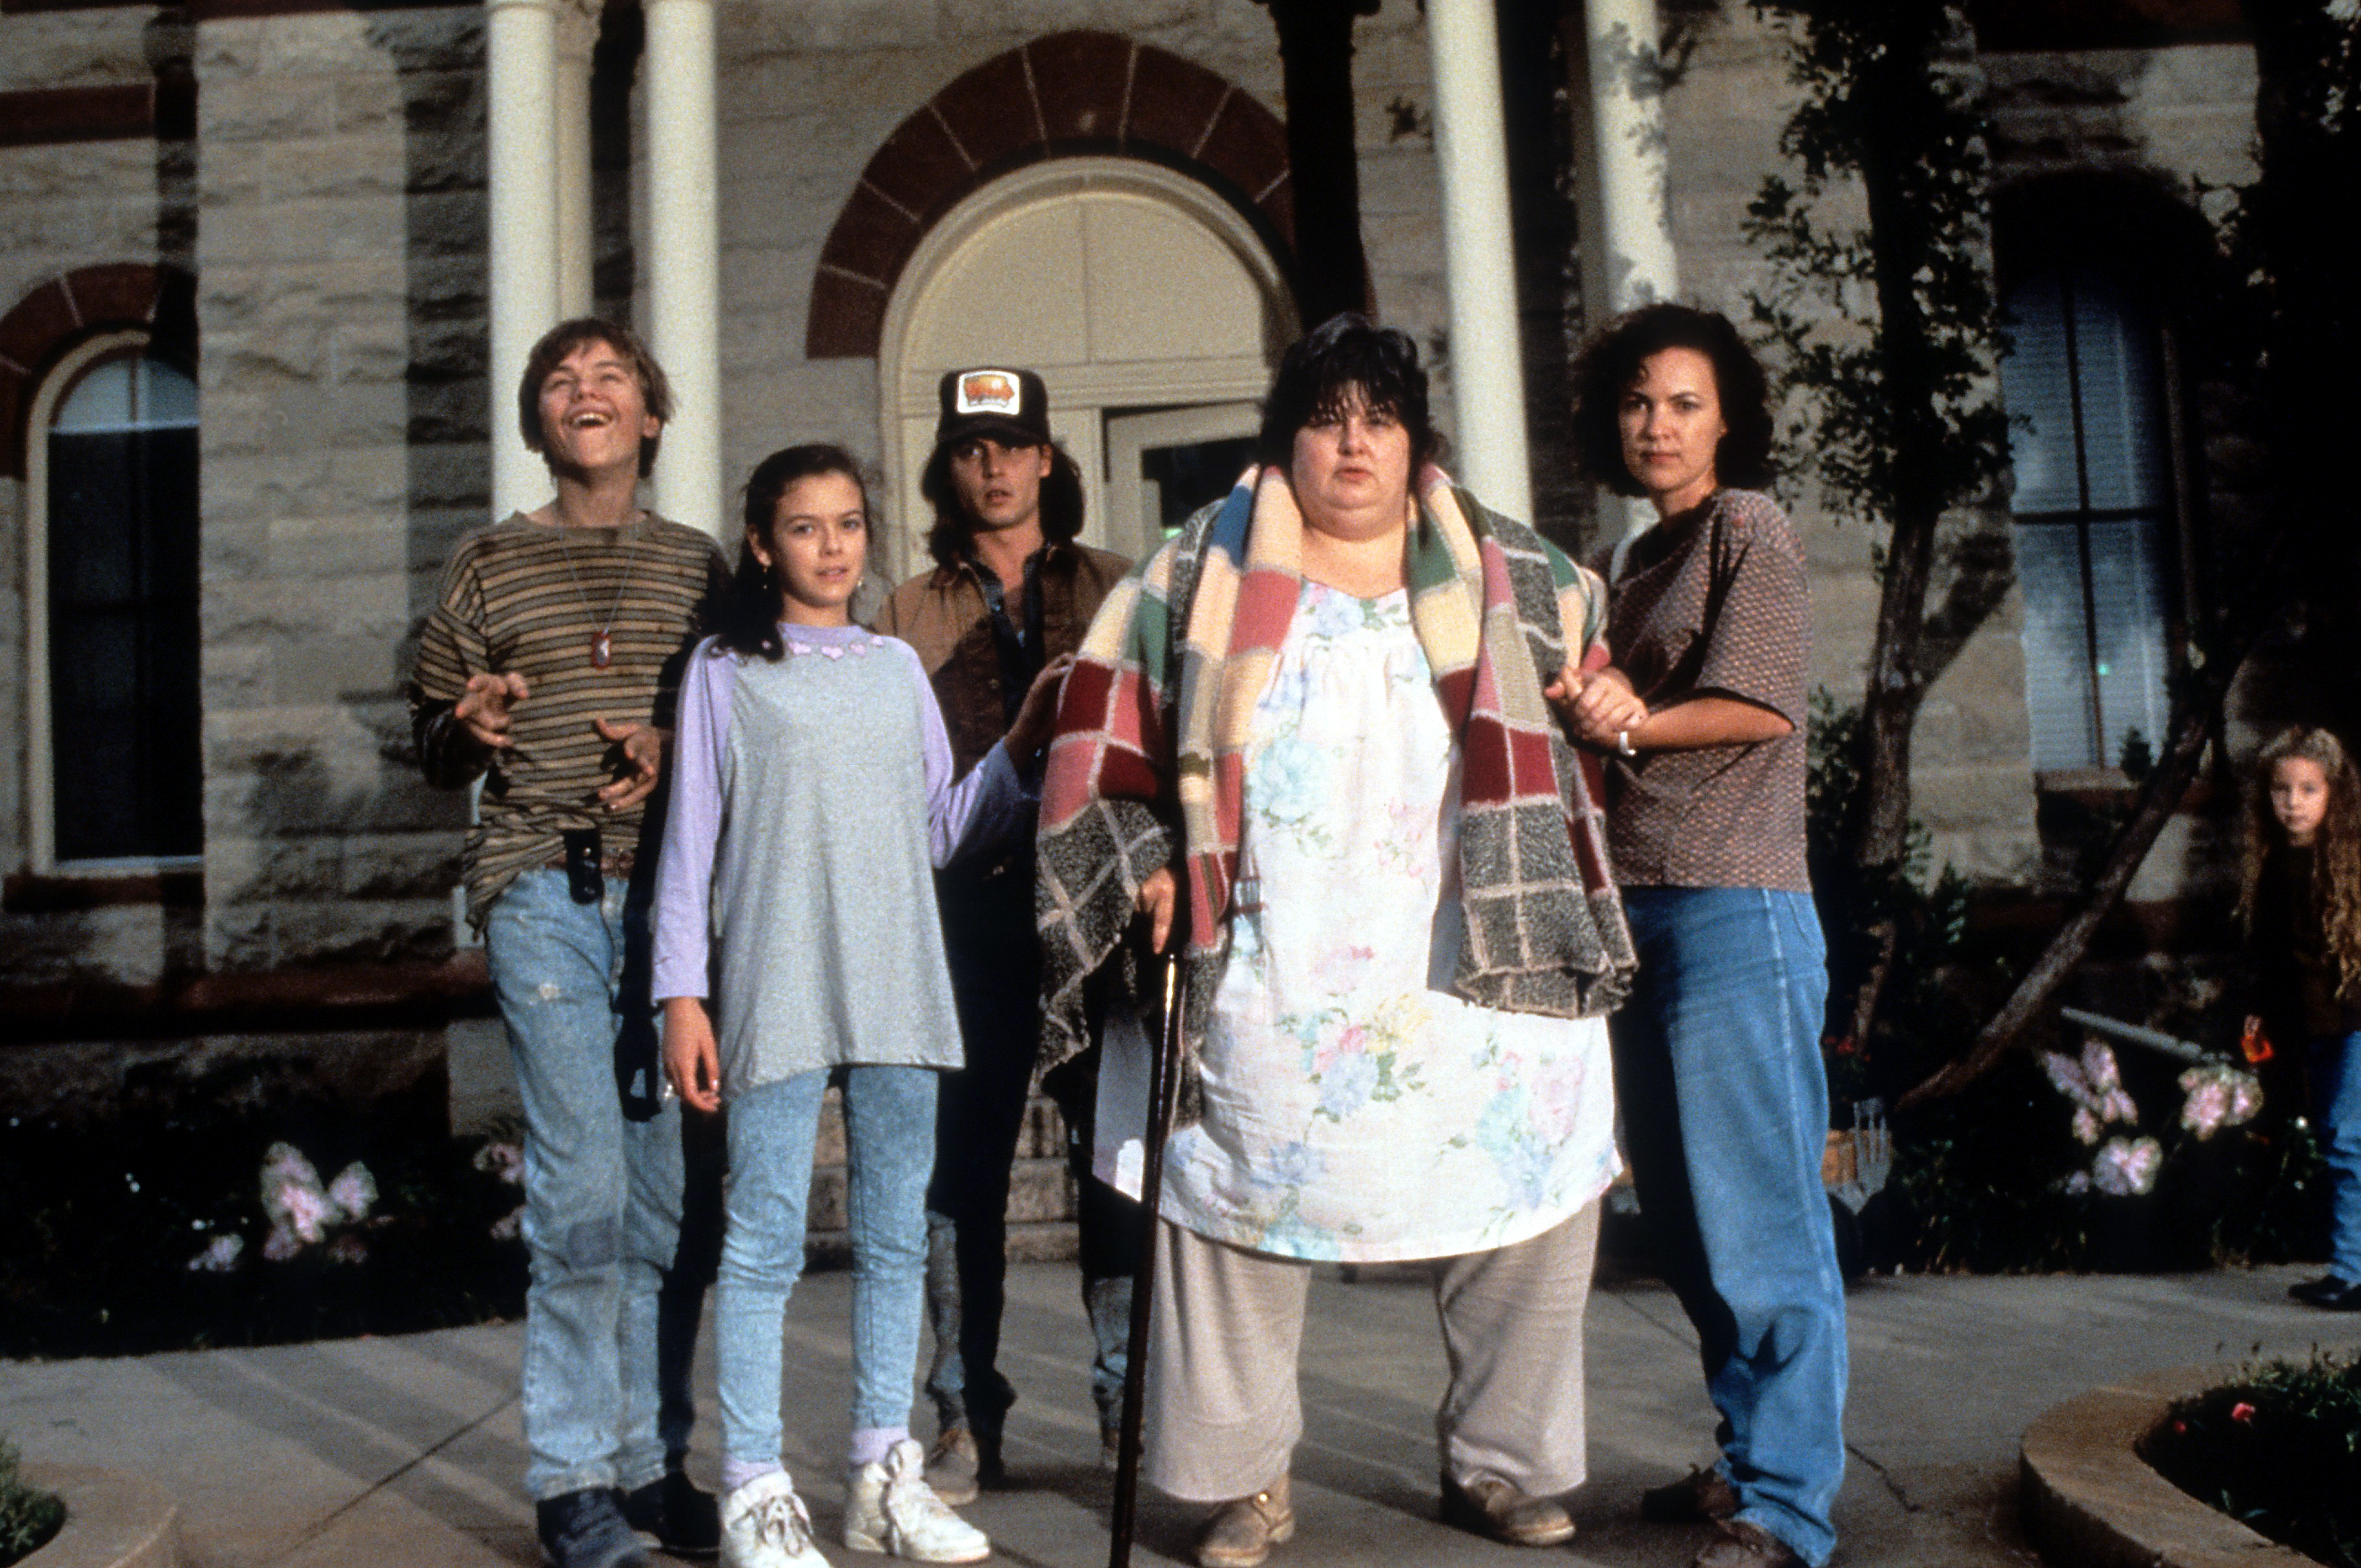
<point>76,305</point>
<point>1067,95</point>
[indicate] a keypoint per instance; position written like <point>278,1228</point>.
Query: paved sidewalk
<point>405,1453</point>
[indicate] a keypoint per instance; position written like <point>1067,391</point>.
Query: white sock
<point>737,1473</point>
<point>871,1445</point>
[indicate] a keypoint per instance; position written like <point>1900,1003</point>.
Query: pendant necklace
<point>602,639</point>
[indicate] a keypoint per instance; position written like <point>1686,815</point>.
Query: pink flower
<point>220,1256</point>
<point>305,1211</point>
<point>281,1245</point>
<point>2243,1413</point>
<point>503,1160</point>
<point>2208,1104</point>
<point>2099,1064</point>
<point>353,1191</point>
<point>348,1248</point>
<point>2128,1167</point>
<point>509,1225</point>
<point>2086,1126</point>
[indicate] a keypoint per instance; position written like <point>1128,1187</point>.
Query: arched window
<point>116,774</point>
<point>2089,445</point>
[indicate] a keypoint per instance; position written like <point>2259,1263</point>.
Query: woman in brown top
<point>1717,1053</point>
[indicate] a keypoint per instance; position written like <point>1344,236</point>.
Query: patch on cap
<point>987,392</point>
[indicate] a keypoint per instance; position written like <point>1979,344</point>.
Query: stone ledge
<point>112,1520</point>
<point>2088,1499</point>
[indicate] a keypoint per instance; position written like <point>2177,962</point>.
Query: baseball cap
<point>1010,406</point>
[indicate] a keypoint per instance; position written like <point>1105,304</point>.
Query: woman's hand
<point>691,1058</point>
<point>1037,721</point>
<point>1601,707</point>
<point>1157,896</point>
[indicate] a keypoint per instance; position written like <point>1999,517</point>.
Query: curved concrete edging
<point>2089,1501</point>
<point>112,1520</point>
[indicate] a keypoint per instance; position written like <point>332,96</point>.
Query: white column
<point>1627,259</point>
<point>1626,227</point>
<point>577,34</point>
<point>521,70</point>
<point>1487,378</point>
<point>683,250</point>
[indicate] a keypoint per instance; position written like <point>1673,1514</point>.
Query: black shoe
<point>2329,1293</point>
<point>672,1513</point>
<point>585,1529</point>
<point>1701,1496</point>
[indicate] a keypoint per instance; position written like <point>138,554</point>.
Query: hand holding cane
<point>1163,1094</point>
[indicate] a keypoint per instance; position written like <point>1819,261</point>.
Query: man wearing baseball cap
<point>1010,591</point>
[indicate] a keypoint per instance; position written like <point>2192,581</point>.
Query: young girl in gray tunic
<point>812,798</point>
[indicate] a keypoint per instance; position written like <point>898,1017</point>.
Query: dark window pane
<point>125,732</point>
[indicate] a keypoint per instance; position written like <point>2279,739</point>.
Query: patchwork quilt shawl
<point>1149,764</point>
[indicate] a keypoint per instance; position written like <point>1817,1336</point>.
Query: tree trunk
<point>1903,94</point>
<point>1315,51</point>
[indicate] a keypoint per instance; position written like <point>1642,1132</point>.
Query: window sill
<point>72,892</point>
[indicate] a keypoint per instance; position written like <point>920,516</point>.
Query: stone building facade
<point>284,201</point>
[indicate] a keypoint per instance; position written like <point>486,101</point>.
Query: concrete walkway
<point>406,1453</point>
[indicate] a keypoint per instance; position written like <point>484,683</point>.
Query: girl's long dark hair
<point>2336,853</point>
<point>747,622</point>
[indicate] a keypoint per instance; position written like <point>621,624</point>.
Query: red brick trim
<point>64,311</point>
<point>47,116</point>
<point>1067,95</point>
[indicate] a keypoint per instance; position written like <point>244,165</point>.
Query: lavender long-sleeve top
<point>811,799</point>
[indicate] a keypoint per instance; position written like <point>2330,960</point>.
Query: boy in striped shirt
<point>547,669</point>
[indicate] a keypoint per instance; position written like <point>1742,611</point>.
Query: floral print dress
<point>1355,1109</point>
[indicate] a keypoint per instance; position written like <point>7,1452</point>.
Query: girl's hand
<point>483,710</point>
<point>691,1059</point>
<point>1157,896</point>
<point>1037,721</point>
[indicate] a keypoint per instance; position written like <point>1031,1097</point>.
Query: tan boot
<point>1489,1506</point>
<point>1241,1532</point>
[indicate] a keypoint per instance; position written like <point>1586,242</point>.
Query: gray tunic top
<point>811,801</point>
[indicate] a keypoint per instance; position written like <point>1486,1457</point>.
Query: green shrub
<point>2279,1450</point>
<point>29,1515</point>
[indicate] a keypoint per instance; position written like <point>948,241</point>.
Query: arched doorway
<point>1146,301</point>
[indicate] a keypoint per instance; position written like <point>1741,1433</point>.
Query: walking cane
<point>1163,1093</point>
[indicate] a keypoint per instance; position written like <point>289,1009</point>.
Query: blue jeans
<point>2335,1063</point>
<point>889,1135</point>
<point>605,1403</point>
<point>1726,1114</point>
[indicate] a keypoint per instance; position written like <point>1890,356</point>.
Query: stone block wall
<point>70,206</point>
<point>340,305</point>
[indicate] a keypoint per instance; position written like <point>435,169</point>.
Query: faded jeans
<point>2335,1063</point>
<point>605,1403</point>
<point>1726,1113</point>
<point>889,1133</point>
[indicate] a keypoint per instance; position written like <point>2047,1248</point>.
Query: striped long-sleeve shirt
<point>529,598</point>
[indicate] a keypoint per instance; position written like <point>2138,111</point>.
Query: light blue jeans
<point>889,1133</point>
<point>2335,1063</point>
<point>603,1403</point>
<point>1725,1115</point>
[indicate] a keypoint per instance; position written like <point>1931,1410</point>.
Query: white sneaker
<point>763,1524</point>
<point>890,1507</point>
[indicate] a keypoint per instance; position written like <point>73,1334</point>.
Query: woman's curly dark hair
<point>1345,355</point>
<point>1610,362</point>
<point>746,622</point>
<point>1061,504</point>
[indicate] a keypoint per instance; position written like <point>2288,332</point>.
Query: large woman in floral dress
<point>1312,732</point>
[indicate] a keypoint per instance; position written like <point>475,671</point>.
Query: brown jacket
<point>941,613</point>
